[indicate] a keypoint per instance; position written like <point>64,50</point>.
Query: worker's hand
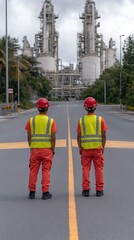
<point>29,163</point>
<point>80,151</point>
<point>53,151</point>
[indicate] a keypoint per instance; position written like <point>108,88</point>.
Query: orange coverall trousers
<point>87,156</point>
<point>38,156</point>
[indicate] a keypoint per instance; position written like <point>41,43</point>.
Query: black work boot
<point>99,193</point>
<point>85,193</point>
<point>32,195</point>
<point>46,195</point>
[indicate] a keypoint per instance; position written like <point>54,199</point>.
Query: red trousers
<point>38,156</point>
<point>87,156</point>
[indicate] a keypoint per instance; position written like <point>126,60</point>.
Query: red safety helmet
<point>90,102</point>
<point>42,103</point>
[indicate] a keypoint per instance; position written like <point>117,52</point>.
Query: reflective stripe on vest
<point>91,131</point>
<point>41,126</point>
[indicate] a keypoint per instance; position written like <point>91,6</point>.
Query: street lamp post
<point>7,96</point>
<point>95,70</point>
<point>105,90</point>
<point>18,83</point>
<point>105,95</point>
<point>120,69</point>
<point>62,76</point>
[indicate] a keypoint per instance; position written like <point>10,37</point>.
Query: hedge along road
<point>67,215</point>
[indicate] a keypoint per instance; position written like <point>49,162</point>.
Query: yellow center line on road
<point>119,144</point>
<point>20,145</point>
<point>112,144</point>
<point>73,228</point>
<point>63,143</point>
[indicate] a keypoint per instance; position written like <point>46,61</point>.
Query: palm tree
<point>30,75</point>
<point>17,65</point>
<point>13,59</point>
<point>2,59</point>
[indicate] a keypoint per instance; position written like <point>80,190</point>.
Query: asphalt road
<point>68,215</point>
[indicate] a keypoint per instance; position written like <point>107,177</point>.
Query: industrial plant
<point>93,55</point>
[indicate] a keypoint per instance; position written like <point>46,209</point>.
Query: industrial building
<point>93,56</point>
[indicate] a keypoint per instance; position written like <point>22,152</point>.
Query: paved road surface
<point>67,216</point>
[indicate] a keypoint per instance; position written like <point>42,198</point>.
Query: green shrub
<point>27,105</point>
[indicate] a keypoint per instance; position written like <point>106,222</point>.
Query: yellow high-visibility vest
<point>91,135</point>
<point>41,126</point>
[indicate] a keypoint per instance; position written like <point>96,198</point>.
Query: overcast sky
<point>117,18</point>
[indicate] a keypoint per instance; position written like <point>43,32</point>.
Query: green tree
<point>17,66</point>
<point>110,77</point>
<point>130,95</point>
<point>36,81</point>
<point>128,72</point>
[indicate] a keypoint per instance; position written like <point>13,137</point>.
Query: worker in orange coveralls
<point>41,135</point>
<point>91,139</point>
